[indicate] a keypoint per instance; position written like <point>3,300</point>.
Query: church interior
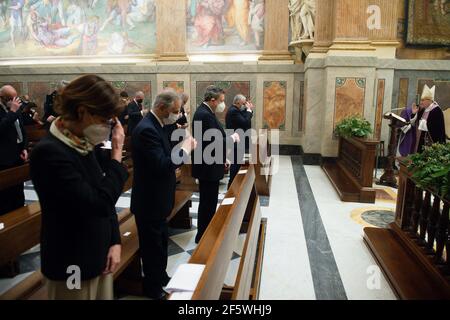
<point>346,195</point>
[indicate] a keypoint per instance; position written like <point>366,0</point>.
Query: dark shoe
<point>165,283</point>
<point>162,295</point>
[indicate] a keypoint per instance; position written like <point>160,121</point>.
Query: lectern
<point>396,122</point>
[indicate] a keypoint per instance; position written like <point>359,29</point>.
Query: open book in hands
<point>400,120</point>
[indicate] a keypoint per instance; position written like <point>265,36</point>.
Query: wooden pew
<point>35,134</point>
<point>28,226</point>
<point>352,173</point>
<point>33,287</point>
<point>217,245</point>
<point>263,165</point>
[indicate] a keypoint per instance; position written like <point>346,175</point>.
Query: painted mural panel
<point>349,99</point>
<point>232,88</point>
<point>442,91</point>
<point>225,25</point>
<point>33,28</point>
<point>178,86</point>
<point>274,115</point>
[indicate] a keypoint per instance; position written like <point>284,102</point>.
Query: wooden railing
<point>415,251</point>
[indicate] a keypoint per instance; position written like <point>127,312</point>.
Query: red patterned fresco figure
<point>208,22</point>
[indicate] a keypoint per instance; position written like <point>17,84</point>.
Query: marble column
<point>350,30</point>
<point>171,30</point>
<point>323,37</point>
<point>276,38</point>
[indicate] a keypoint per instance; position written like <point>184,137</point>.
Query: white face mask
<point>171,119</point>
<point>97,133</point>
<point>221,107</point>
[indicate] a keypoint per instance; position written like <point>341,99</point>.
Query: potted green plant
<point>431,169</point>
<point>353,126</point>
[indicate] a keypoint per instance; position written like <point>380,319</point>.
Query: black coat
<point>154,179</point>
<point>135,116</point>
<point>237,119</point>
<point>10,149</point>
<point>200,169</point>
<point>49,108</point>
<point>77,197</point>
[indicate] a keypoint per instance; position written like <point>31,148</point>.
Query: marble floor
<point>314,247</point>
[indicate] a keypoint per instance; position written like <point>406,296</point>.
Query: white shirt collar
<point>208,106</point>
<point>157,118</point>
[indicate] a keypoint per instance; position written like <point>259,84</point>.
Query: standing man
<point>239,117</point>
<point>49,112</point>
<point>154,183</point>
<point>13,146</point>
<point>209,173</point>
<point>429,121</point>
<point>136,112</point>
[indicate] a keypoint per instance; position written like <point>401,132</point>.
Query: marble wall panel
<point>178,86</point>
<point>379,108</point>
<point>232,88</point>
<point>349,98</point>
<point>274,114</point>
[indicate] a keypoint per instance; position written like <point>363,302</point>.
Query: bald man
<point>136,112</point>
<point>13,145</point>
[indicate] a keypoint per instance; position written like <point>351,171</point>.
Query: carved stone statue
<point>303,15</point>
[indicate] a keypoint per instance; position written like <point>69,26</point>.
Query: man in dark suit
<point>239,118</point>
<point>13,146</point>
<point>209,163</point>
<point>49,112</point>
<point>136,112</point>
<point>154,185</point>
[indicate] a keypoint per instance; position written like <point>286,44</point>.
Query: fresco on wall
<point>274,105</point>
<point>442,91</point>
<point>232,89</point>
<point>225,25</point>
<point>349,100</point>
<point>33,28</point>
<point>429,22</point>
<point>131,87</point>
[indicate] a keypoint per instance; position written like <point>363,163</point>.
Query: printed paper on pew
<point>2,226</point>
<point>182,295</point>
<point>186,278</point>
<point>243,172</point>
<point>107,145</point>
<point>228,201</point>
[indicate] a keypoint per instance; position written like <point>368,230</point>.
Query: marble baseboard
<point>290,150</point>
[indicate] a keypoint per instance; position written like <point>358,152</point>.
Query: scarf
<point>81,145</point>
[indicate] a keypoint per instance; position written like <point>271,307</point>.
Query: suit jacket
<point>77,197</point>
<point>10,149</point>
<point>154,179</point>
<point>237,119</point>
<point>49,108</point>
<point>135,116</point>
<point>200,169</point>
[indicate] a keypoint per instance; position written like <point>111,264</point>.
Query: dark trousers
<point>153,242</point>
<point>209,194</point>
<point>234,170</point>
<point>12,198</point>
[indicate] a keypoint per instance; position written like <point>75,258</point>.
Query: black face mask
<point>139,101</point>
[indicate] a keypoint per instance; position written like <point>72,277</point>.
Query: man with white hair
<point>13,146</point>
<point>239,118</point>
<point>428,120</point>
<point>154,184</point>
